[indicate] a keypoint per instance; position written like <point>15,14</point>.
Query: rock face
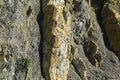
<point>59,40</point>
<point>111,21</point>
<point>19,40</point>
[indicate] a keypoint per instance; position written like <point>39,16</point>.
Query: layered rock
<point>111,21</point>
<point>57,37</point>
<point>92,60</point>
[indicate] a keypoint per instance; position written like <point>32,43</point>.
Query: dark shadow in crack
<point>40,18</point>
<point>99,4</point>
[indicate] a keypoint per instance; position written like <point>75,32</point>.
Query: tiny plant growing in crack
<point>1,78</point>
<point>25,63</point>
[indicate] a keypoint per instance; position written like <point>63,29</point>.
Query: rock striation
<point>57,37</point>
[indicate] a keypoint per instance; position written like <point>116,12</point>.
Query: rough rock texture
<point>19,40</point>
<point>59,40</point>
<point>111,21</point>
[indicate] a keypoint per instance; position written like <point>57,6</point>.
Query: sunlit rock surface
<point>59,40</point>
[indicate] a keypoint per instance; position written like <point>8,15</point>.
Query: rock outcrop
<point>19,40</point>
<point>59,40</point>
<point>111,22</point>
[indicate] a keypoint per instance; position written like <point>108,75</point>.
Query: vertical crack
<point>40,23</point>
<point>99,4</point>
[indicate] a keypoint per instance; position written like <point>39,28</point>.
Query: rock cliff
<point>59,40</point>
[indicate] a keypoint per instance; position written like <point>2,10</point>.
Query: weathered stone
<point>57,28</point>
<point>111,21</point>
<point>91,50</point>
<point>19,36</point>
<point>59,39</point>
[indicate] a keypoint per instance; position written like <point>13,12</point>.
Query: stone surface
<point>57,37</point>
<point>59,40</point>
<point>19,37</point>
<point>111,22</point>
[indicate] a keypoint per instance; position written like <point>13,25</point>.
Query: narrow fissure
<point>40,18</point>
<point>99,4</point>
<point>76,70</point>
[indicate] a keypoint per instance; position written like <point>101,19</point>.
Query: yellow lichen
<point>117,14</point>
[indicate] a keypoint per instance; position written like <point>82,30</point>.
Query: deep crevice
<point>77,70</point>
<point>40,18</point>
<point>100,4</point>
